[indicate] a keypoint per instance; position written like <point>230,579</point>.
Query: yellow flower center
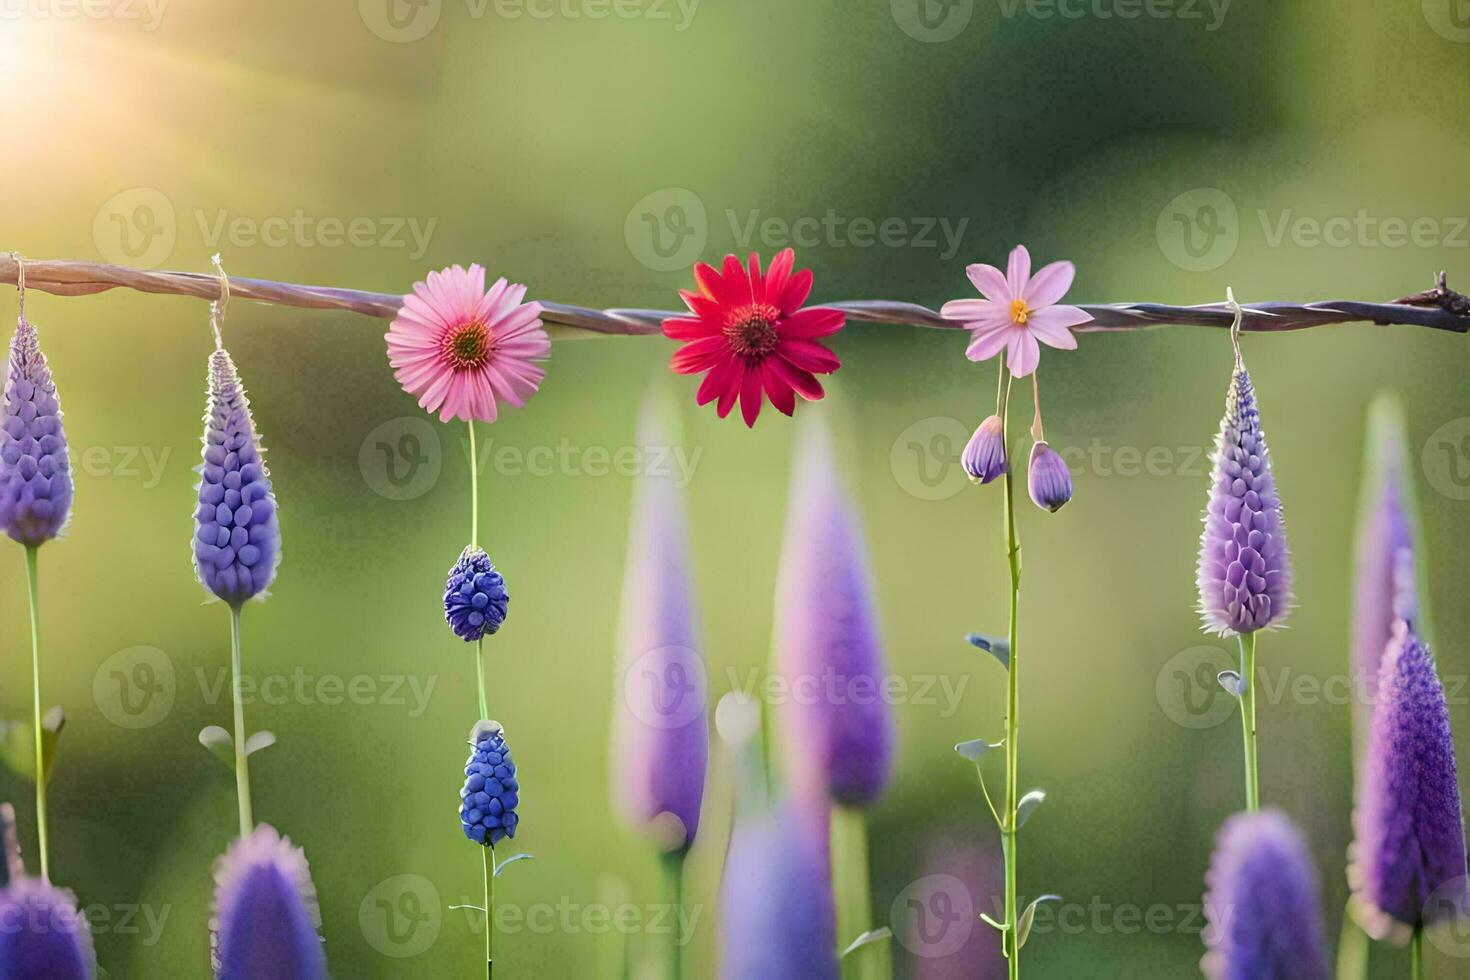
<point>1020,312</point>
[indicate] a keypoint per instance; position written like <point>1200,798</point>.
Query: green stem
<point>673,863</point>
<point>850,886</point>
<point>474,489</point>
<point>242,766</point>
<point>32,586</point>
<point>1352,950</point>
<point>1013,704</point>
<point>480,674</point>
<point>490,869</point>
<point>1416,955</point>
<point>1248,720</point>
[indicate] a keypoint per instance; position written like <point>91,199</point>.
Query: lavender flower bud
<point>42,936</point>
<point>265,911</point>
<point>660,732</point>
<point>237,537</point>
<point>984,457</point>
<point>1409,839</point>
<point>1244,572</point>
<point>475,600</point>
<point>35,471</point>
<point>777,916</point>
<point>1047,478</point>
<point>827,639</point>
<point>1264,918</point>
<point>488,801</point>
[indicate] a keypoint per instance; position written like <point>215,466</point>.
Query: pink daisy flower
<point>751,336</point>
<point>1018,310</point>
<point>460,349</point>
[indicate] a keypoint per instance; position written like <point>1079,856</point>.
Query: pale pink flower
<point>1018,310</point>
<point>460,350</point>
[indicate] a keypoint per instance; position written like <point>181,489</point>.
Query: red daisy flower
<point>751,336</point>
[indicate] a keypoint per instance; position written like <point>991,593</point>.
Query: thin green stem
<point>1416,955</point>
<point>673,863</point>
<point>1352,950</point>
<point>242,765</point>
<point>32,586</point>
<point>1248,720</point>
<point>474,489</point>
<point>490,869</point>
<point>849,836</point>
<point>480,674</point>
<point>1013,704</point>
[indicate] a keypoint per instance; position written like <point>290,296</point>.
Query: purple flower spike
<point>1047,478</point>
<point>1384,584</point>
<point>777,918</point>
<point>1244,572</point>
<point>42,936</point>
<point>1264,918</point>
<point>839,727</point>
<point>35,471</point>
<point>475,600</point>
<point>237,537</point>
<point>984,457</point>
<point>1408,854</point>
<point>265,912</point>
<point>491,791</point>
<point>660,733</point>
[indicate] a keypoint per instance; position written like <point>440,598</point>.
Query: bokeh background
<point>1280,147</point>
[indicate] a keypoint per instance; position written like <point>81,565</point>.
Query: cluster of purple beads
<point>475,600</point>
<point>35,472</point>
<point>487,809</point>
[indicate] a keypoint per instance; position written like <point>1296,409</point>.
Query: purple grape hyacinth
<point>475,600</point>
<point>827,639</point>
<point>1408,856</point>
<point>491,793</point>
<point>266,919</point>
<point>660,733</point>
<point>35,469</point>
<point>237,537</point>
<point>1244,572</point>
<point>42,935</point>
<point>1264,917</point>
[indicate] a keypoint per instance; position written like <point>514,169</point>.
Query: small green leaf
<point>500,868</point>
<point>1023,930</point>
<point>219,743</point>
<point>998,926</point>
<point>260,740</point>
<point>1027,806</point>
<point>882,934</point>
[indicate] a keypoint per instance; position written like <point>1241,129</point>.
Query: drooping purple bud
<point>42,935</point>
<point>777,916</point>
<point>660,740</point>
<point>35,470</point>
<point>984,457</point>
<point>475,599</point>
<point>265,912</point>
<point>1047,478</point>
<point>237,536</point>
<point>839,726</point>
<point>1407,864</point>
<point>1244,571</point>
<point>1384,584</point>
<point>1262,908</point>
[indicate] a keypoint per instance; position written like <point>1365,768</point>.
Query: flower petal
<point>809,356</point>
<point>987,342</point>
<point>1018,271</point>
<point>699,355</point>
<point>750,394</point>
<point>991,282</point>
<point>1050,326</point>
<point>811,323</point>
<point>798,288</point>
<point>805,383</point>
<point>1024,353</point>
<point>722,378</point>
<point>684,328</point>
<point>781,394</point>
<point>778,276</point>
<point>1049,285</point>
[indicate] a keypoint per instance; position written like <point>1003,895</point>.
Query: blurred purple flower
<point>952,861</point>
<point>1408,855</point>
<point>475,600</point>
<point>1244,572</point>
<point>237,537</point>
<point>984,457</point>
<point>35,471</point>
<point>265,912</point>
<point>777,917</point>
<point>42,935</point>
<point>1264,917</point>
<point>660,735</point>
<point>1047,478</point>
<point>828,648</point>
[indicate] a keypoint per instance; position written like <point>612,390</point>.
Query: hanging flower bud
<point>42,934</point>
<point>984,457</point>
<point>1047,478</point>
<point>266,919</point>
<point>475,600</point>
<point>1244,571</point>
<point>487,808</point>
<point>237,539</point>
<point>1408,855</point>
<point>35,470</point>
<point>1263,914</point>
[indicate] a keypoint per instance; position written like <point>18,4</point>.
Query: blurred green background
<point>576,153</point>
